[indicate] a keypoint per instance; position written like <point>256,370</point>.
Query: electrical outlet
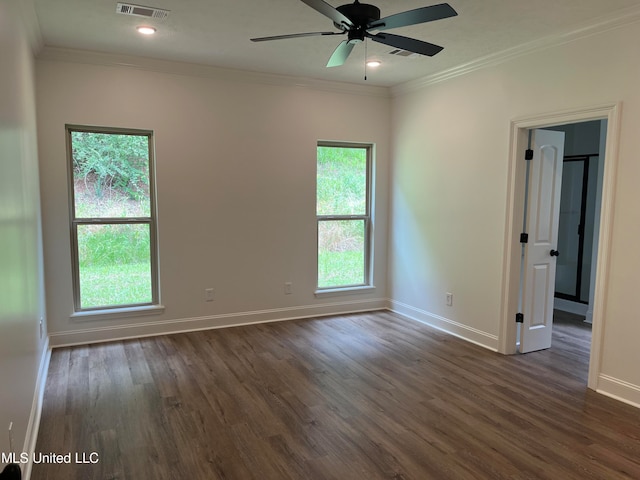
<point>288,288</point>
<point>449,299</point>
<point>208,294</point>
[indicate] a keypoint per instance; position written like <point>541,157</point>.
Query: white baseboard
<point>164,327</point>
<point>618,389</point>
<point>36,411</point>
<point>464,332</point>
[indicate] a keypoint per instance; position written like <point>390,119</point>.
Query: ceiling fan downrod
<point>360,14</point>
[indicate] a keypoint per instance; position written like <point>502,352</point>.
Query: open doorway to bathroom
<point>578,231</point>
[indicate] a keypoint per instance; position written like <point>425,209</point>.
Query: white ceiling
<point>217,33</point>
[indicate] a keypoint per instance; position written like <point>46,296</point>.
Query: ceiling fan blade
<point>295,35</point>
<point>328,11</point>
<point>406,43</point>
<point>340,54</point>
<point>413,17</point>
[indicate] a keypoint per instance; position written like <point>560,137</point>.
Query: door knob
<point>554,253</point>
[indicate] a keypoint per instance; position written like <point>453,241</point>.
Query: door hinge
<point>524,238</point>
<point>528,154</point>
<point>519,317</point>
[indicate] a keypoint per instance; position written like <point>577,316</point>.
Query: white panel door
<point>543,212</point>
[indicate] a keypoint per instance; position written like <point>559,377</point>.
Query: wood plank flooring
<point>366,396</point>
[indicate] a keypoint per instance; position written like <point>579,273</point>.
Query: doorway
<point>515,214</point>
<point>580,202</point>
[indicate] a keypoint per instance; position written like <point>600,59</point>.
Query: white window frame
<point>367,217</point>
<point>151,221</point>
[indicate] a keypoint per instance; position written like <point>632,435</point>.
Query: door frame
<point>518,143</point>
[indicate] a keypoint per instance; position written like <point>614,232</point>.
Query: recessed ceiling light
<point>374,63</point>
<point>145,30</point>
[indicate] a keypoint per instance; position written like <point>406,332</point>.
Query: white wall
<point>449,192</point>
<point>22,350</point>
<point>235,180</point>
<point>449,175</point>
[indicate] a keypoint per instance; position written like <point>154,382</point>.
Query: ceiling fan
<point>357,19</point>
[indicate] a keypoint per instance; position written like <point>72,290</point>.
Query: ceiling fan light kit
<point>357,20</point>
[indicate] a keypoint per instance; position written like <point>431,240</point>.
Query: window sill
<point>112,313</point>
<point>335,292</point>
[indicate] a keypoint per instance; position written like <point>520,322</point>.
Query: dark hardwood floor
<point>366,396</point>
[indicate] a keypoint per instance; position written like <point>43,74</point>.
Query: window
<point>343,210</point>
<point>112,218</point>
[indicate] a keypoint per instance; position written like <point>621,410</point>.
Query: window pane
<point>341,181</point>
<point>110,175</point>
<point>115,265</point>
<point>341,253</point>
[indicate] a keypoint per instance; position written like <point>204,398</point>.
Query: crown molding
<point>603,24</point>
<point>87,57</point>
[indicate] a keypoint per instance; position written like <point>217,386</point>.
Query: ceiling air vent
<point>402,53</point>
<point>140,11</point>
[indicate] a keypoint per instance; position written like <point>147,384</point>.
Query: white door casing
<point>509,329</point>
<point>542,219</point>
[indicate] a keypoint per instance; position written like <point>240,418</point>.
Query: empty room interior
<point>345,253</point>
